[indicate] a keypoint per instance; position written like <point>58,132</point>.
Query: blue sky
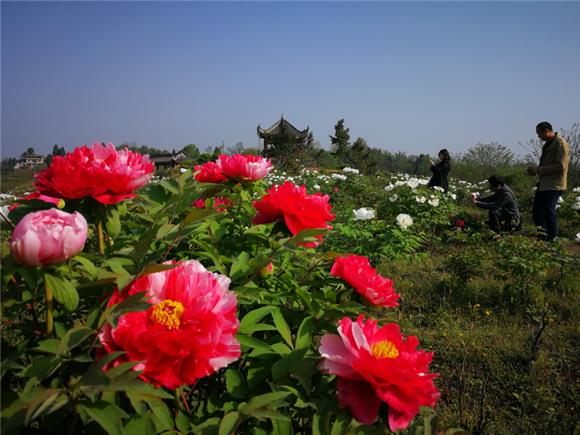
<point>411,77</point>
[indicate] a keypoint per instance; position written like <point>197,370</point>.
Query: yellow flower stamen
<point>384,349</point>
<point>168,313</point>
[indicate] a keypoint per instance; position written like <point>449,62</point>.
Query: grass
<point>18,181</point>
<point>506,366</point>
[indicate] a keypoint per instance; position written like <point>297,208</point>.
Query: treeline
<point>476,164</point>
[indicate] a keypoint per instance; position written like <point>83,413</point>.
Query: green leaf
<point>165,230</point>
<point>139,425</point>
<point>341,424</point>
<point>229,423</point>
<point>63,290</point>
<point>305,236</point>
<point>240,266</point>
<point>48,346</point>
<point>283,367</point>
<point>108,415</point>
<point>87,264</point>
<point>252,318</point>
<point>161,415</point>
<point>154,268</point>
<point>74,337</point>
<point>41,368</point>
<point>246,340</point>
<point>282,326</point>
<point>112,221</point>
<point>304,336</point>
<point>268,400</point>
<point>235,384</point>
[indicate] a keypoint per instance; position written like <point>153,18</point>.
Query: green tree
<point>191,151</point>
<point>360,156</point>
<point>340,142</point>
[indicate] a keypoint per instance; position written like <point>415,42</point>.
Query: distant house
<point>30,161</point>
<point>168,160</point>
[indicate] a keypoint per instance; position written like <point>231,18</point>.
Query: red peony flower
<point>377,365</point>
<point>209,172</point>
<point>357,271</point>
<point>244,167</point>
<point>219,204</point>
<point>37,195</point>
<point>298,210</point>
<point>460,223</point>
<point>101,172</point>
<point>189,331</point>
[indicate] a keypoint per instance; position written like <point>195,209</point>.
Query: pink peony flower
<point>48,237</point>
<point>357,271</point>
<point>189,331</point>
<point>100,172</point>
<point>218,204</point>
<point>298,210</point>
<point>460,223</point>
<point>37,195</point>
<point>244,167</point>
<point>375,365</point>
<point>209,172</point>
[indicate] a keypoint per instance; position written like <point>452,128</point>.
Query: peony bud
<point>48,237</point>
<point>267,270</point>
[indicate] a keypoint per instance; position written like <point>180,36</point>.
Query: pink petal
<point>361,400</point>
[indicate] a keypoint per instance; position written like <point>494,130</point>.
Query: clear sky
<point>411,77</point>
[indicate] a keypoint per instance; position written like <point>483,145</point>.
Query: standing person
<point>440,171</point>
<point>553,172</point>
<point>502,205</point>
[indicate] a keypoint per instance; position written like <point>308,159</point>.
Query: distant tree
<point>29,152</point>
<point>8,165</point>
<point>340,142</point>
<point>491,155</point>
<point>359,155</point>
<point>421,165</point>
<point>238,148</point>
<point>191,151</point>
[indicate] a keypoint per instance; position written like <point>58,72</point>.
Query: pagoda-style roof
<point>282,127</point>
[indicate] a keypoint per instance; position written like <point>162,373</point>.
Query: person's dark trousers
<point>500,221</point>
<point>495,220</point>
<point>544,211</point>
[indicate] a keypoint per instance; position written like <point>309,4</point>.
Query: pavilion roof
<point>281,126</point>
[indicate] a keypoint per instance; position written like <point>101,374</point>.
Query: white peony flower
<point>420,199</point>
<point>404,220</point>
<point>364,214</point>
<point>576,189</point>
<point>339,177</point>
<point>316,186</point>
<point>434,202</point>
<point>576,206</point>
<point>393,198</point>
<point>438,188</point>
<point>389,187</point>
<point>351,170</point>
<point>578,237</point>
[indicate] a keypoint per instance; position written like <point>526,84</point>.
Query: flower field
<point>234,298</point>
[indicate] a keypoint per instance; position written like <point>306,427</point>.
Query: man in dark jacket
<point>504,214</point>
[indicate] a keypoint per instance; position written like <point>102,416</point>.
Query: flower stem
<point>101,237</point>
<point>49,316</point>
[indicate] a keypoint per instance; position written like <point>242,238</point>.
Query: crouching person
<point>502,205</point>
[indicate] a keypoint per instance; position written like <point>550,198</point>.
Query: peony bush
<point>207,302</point>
